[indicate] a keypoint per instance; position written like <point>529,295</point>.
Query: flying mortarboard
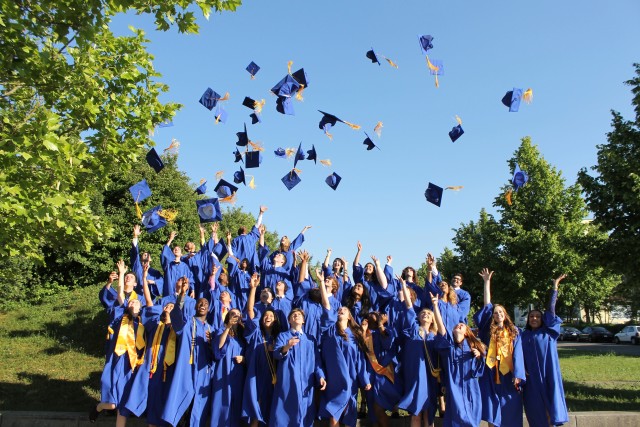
<point>436,68</point>
<point>299,155</point>
<point>209,210</point>
<point>425,43</point>
<point>291,179</point>
<point>238,176</point>
<point>253,69</point>
<point>154,160</point>
<point>210,98</point>
<point>286,87</point>
<point>373,57</point>
<point>140,191</point>
<point>238,156</point>
<point>253,159</point>
<point>369,143</point>
<point>301,78</point>
<point>225,190</point>
<point>243,137</point>
<point>329,120</point>
<point>312,155</point>
<point>519,179</point>
<point>284,105</point>
<point>202,188</point>
<point>457,131</point>
<point>333,180</point>
<point>220,115</point>
<point>152,220</point>
<point>434,194</point>
<point>513,97</point>
<point>280,152</point>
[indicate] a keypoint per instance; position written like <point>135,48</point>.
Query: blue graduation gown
<point>191,382</point>
<point>312,318</point>
<point>258,387</point>
<point>198,264</point>
<point>356,312</point>
<point>157,289</point>
<point>239,282</point>
<point>288,255</point>
<point>244,246</point>
<point>501,403</point>
<point>215,317</point>
<point>380,297</point>
<point>464,303</point>
<point>328,272</point>
<point>383,392</point>
<point>108,297</point>
<point>300,289</point>
<point>460,376</point>
<point>544,392</point>
<point>227,381</point>
<point>272,275</point>
<point>281,306</point>
<point>346,370</point>
<point>420,387</point>
<point>173,271</point>
<point>299,372</point>
<point>188,306</point>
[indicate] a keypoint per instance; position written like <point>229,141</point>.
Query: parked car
<point>594,334</point>
<point>568,333</point>
<point>628,334</point>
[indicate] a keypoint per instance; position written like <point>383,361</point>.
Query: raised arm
<point>145,285</point>
<point>436,312</point>
<point>232,322</point>
<point>382,279</point>
<point>405,292</point>
<point>304,264</point>
<point>323,289</point>
<point>202,238</point>
<point>122,269</point>
<point>486,277</point>
<point>229,250</point>
<point>172,236</point>
<point>356,260</point>
<point>251,301</point>
<point>263,209</point>
<point>325,264</point>
<point>554,294</point>
<point>262,230</point>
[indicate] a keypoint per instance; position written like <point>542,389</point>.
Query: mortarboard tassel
<point>459,120</point>
<point>508,197</point>
<point>168,214</point>
<point>252,183</point>
<point>455,187</point>
<point>527,96</point>
<point>393,64</point>
<point>378,129</point>
<point>229,199</point>
<point>299,93</point>
<point>329,135</point>
<point>289,64</point>
<point>325,162</point>
<point>225,97</point>
<point>175,144</point>
<point>138,211</point>
<point>219,175</point>
<point>290,151</point>
<point>437,83</point>
<point>351,125</point>
<point>257,146</point>
<point>257,106</point>
<point>434,69</point>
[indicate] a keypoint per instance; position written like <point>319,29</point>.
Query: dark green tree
<point>613,195</point>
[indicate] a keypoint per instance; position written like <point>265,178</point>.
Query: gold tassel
<point>527,96</point>
<point>299,93</point>
<point>455,188</point>
<point>217,118</point>
<point>219,175</point>
<point>252,183</point>
<point>229,199</point>
<point>225,97</point>
<point>168,214</point>
<point>257,146</point>
<point>325,162</point>
<point>290,152</point>
<point>393,64</point>
<point>351,125</point>
<point>175,144</point>
<point>257,106</point>
<point>378,129</point>
<point>508,197</point>
<point>253,77</point>
<point>138,211</point>
<point>289,64</point>
<point>459,120</point>
<point>329,135</point>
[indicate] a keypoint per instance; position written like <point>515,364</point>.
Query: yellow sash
<point>500,354</point>
<point>387,371</point>
<point>129,341</point>
<point>169,351</point>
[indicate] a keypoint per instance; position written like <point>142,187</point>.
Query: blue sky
<point>575,56</point>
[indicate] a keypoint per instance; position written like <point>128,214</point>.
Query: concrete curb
<point>79,419</point>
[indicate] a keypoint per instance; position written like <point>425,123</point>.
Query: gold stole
<point>272,366</point>
<point>129,341</point>
<point>435,372</point>
<point>500,354</point>
<point>387,371</point>
<point>169,351</point>
<point>193,338</point>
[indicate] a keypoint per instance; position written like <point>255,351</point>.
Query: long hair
<point>335,285</point>
<point>356,330</point>
<point>341,269</point>
<point>474,342</point>
<point>404,274</point>
<point>373,318</point>
<point>236,331</point>
<point>370,277</point>
<point>285,244</point>
<point>528,327</point>
<point>433,327</point>
<point>451,297</point>
<point>275,326</point>
<point>365,301</point>
<point>507,324</point>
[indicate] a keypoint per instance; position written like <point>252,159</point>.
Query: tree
<point>613,195</point>
<point>75,102</point>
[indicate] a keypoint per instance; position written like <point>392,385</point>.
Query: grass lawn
<point>52,355</point>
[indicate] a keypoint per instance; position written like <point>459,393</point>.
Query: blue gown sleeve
<point>297,242</point>
<point>165,258</point>
<point>177,319</point>
<point>388,273</point>
<point>518,359</point>
<point>464,304</point>
<point>358,273</point>
<point>482,320</point>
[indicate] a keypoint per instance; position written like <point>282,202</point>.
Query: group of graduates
<point>260,343</point>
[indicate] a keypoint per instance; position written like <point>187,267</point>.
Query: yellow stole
<point>500,353</point>
<point>129,341</point>
<point>169,350</point>
<point>387,371</point>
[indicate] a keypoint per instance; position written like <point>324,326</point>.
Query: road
<point>621,349</point>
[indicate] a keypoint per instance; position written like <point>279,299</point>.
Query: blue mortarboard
<point>154,160</point>
<point>369,143</point>
<point>333,180</point>
<point>301,77</point>
<point>243,137</point>
<point>455,133</point>
<point>221,115</point>
<point>284,105</point>
<point>519,179</point>
<point>329,120</point>
<point>287,87</point>
<point>512,99</point>
<point>291,179</point>
<point>425,43</point>
<point>225,189</point>
<point>165,124</point>
<point>299,155</point>
<point>152,220</point>
<point>238,176</point>
<point>372,56</point>
<point>253,69</point>
<point>252,159</point>
<point>255,118</point>
<point>281,152</point>
<point>252,104</point>
<point>202,188</point>
<point>209,210</point>
<point>140,191</point>
<point>210,98</point>
<point>312,155</point>
<point>238,156</point>
<point>434,194</point>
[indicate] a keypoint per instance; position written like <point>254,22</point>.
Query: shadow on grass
<point>41,393</point>
<point>566,353</point>
<point>83,331</point>
<point>582,397</point>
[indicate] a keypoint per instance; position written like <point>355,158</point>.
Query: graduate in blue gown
<point>464,297</point>
<point>261,332</point>
<point>173,266</point>
<point>462,356</point>
<point>410,277</point>
<point>372,277</point>
<point>288,248</point>
<point>125,353</point>
<point>419,362</point>
<point>243,245</point>
<point>345,365</point>
<point>447,301</point>
<point>228,378</point>
<point>154,277</point>
<point>338,270</point>
<point>107,295</point>
<point>188,304</point>
<point>504,375</point>
<point>198,261</point>
<point>299,373</point>
<point>273,269</point>
<point>191,384</point>
<point>544,401</point>
<point>239,277</point>
<point>301,277</point>
<point>358,302</point>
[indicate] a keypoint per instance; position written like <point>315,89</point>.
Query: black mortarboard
<point>281,152</point>
<point>284,105</point>
<point>455,133</point>
<point>243,137</point>
<point>369,143</point>
<point>140,191</point>
<point>249,102</point>
<point>329,120</point>
<point>253,69</point>
<point>252,159</point>
<point>512,99</point>
<point>301,77</point>
<point>209,210</point>
<point>152,220</point>
<point>202,188</point>
<point>372,56</point>
<point>333,180</point>
<point>255,118</point>
<point>154,160</point>
<point>238,156</point>
<point>238,176</point>
<point>299,155</point>
<point>312,155</point>
<point>291,179</point>
<point>434,194</point>
<point>225,189</point>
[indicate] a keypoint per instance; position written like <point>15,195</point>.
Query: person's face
<point>358,290</point>
<point>177,251</point>
<point>244,265</point>
<point>279,259</point>
<point>368,268</point>
<point>233,317</point>
<point>337,264</point>
<point>190,247</point>
<point>268,319</point>
<point>145,258</point>
<point>182,284</point>
<point>284,241</point>
<point>328,285</point>
<point>535,319</point>
<point>280,288</point>
<point>202,307</point>
<point>225,298</point>
<point>129,281</point>
<point>456,281</point>
<point>444,286</point>
<point>498,315</point>
<point>133,307</point>
<point>458,332</point>
<point>425,317</point>
<point>344,313</point>
<point>296,319</point>
<point>409,275</point>
<point>167,308</point>
<point>265,296</point>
